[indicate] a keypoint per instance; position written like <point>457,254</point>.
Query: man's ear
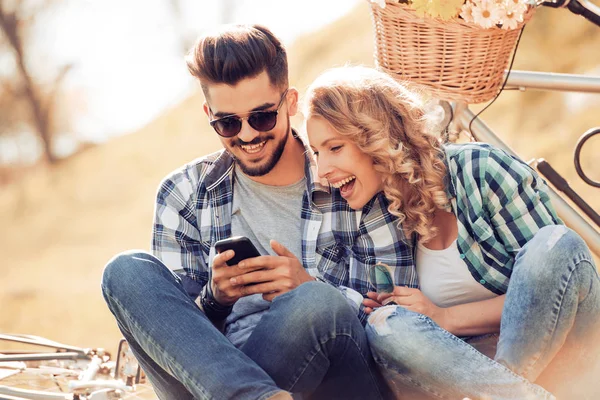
<point>292,101</point>
<point>206,109</point>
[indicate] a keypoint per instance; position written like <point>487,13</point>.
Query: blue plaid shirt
<point>339,245</point>
<point>500,204</point>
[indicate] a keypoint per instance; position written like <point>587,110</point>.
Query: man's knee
<point>314,303</point>
<point>321,295</point>
<point>124,269</point>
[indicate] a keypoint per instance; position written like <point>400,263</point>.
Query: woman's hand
<point>414,300</point>
<point>371,302</point>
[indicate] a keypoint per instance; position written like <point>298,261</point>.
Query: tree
<point>16,20</point>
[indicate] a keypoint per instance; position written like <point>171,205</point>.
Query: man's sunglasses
<point>261,121</point>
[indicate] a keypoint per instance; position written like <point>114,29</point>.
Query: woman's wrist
<point>444,319</point>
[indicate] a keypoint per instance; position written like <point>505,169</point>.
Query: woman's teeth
<point>253,148</point>
<point>341,183</point>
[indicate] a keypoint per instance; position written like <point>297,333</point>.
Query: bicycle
<point>68,372</point>
<point>464,119</point>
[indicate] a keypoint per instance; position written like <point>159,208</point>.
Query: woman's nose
<point>323,167</point>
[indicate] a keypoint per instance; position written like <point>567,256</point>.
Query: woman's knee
<point>390,325</point>
<point>407,342</point>
<point>553,240</point>
<point>553,250</point>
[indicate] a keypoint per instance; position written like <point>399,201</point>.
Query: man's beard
<point>261,170</point>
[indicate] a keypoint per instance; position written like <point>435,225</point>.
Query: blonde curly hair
<point>388,122</point>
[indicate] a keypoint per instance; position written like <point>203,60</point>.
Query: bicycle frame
<point>84,379</point>
<point>523,80</point>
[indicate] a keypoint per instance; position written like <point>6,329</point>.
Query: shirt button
<point>462,256</point>
<point>482,281</point>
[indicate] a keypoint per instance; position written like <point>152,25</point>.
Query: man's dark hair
<point>238,52</point>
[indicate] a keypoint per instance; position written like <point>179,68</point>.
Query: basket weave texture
<point>456,61</point>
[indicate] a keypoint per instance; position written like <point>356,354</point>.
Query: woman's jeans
<point>550,333</point>
<point>309,341</point>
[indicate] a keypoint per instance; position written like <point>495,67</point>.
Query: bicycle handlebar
<point>585,8</point>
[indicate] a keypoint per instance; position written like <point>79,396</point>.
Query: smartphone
<point>241,245</point>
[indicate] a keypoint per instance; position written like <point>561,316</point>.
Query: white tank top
<point>445,278</point>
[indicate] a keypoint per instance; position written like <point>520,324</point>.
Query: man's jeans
<point>310,341</point>
<point>550,327</point>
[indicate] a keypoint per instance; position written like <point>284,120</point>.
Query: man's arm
<point>176,238</point>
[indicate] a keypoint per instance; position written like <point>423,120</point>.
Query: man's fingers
<point>220,260</point>
<point>270,296</point>
<point>280,249</point>
<point>253,277</point>
<point>263,288</point>
<point>260,262</point>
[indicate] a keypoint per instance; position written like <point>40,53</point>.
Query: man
<point>281,329</point>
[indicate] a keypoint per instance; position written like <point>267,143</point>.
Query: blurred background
<point>97,106</point>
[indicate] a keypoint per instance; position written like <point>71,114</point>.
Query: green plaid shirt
<point>500,203</point>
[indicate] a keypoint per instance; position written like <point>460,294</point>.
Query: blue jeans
<point>549,334</point>
<point>310,341</point>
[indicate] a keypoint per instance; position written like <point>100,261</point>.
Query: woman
<point>497,269</point>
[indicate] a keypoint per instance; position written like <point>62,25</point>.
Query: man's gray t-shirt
<point>261,213</point>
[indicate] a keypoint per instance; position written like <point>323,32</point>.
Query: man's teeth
<point>341,183</point>
<point>252,148</point>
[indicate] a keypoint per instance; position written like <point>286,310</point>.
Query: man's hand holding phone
<point>268,275</point>
<point>223,291</point>
<point>271,275</point>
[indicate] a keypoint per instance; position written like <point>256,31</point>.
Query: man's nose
<point>247,133</point>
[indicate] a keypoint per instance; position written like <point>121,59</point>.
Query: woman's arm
<point>476,318</point>
<point>468,319</point>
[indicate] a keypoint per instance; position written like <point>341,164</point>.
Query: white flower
<point>510,20</point>
<point>466,12</point>
<point>380,3</point>
<point>486,13</point>
<point>515,6</point>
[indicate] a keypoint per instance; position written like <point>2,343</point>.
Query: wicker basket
<point>456,61</point>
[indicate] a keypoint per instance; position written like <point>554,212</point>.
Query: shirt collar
<point>313,183</point>
<point>223,167</point>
